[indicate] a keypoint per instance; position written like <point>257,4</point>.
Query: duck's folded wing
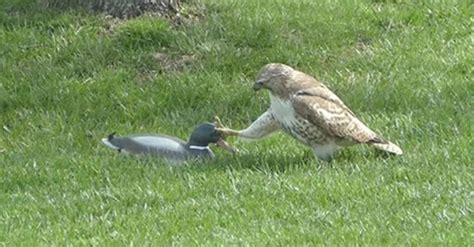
<point>147,144</point>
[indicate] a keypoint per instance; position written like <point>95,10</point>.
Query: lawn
<point>69,78</point>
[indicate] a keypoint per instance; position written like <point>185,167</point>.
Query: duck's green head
<point>206,133</point>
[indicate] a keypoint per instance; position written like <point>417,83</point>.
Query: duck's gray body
<point>166,147</point>
<point>170,148</point>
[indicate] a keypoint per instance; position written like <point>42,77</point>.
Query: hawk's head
<point>273,77</point>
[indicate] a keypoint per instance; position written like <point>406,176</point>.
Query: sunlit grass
<point>69,78</point>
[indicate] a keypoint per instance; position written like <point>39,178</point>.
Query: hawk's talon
<point>224,131</point>
<point>227,132</point>
<point>218,122</point>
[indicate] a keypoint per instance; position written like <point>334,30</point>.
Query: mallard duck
<point>169,148</point>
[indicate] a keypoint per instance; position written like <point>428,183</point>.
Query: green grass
<point>405,67</point>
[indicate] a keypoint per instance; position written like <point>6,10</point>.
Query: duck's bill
<point>223,144</point>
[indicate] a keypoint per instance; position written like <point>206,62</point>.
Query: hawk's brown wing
<point>324,109</point>
<point>323,92</point>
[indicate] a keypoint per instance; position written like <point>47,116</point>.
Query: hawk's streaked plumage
<point>307,110</point>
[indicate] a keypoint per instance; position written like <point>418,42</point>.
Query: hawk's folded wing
<point>324,109</point>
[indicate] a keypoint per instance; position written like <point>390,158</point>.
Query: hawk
<point>307,110</point>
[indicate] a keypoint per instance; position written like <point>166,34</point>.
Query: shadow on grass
<point>282,162</point>
<point>271,162</point>
<point>250,161</point>
<point>19,14</point>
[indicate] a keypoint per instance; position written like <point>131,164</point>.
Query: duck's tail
<point>108,141</point>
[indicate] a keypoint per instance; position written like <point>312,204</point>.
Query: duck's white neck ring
<point>199,147</point>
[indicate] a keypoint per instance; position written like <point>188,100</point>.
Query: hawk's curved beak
<point>258,85</point>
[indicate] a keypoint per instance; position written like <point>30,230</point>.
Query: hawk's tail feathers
<point>388,147</point>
